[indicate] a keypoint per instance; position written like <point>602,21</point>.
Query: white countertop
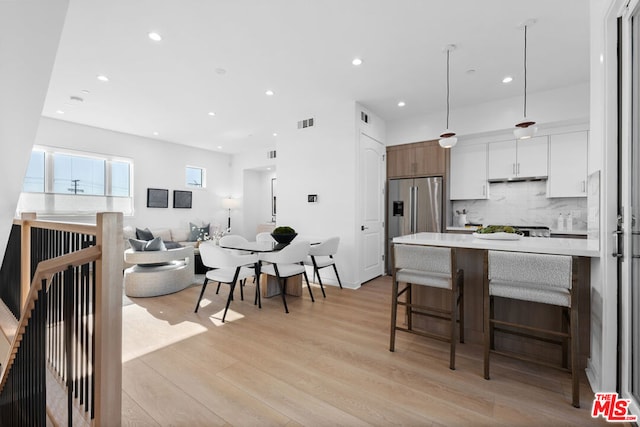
<point>556,246</point>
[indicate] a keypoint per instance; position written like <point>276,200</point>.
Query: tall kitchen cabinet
<point>468,172</point>
<point>568,154</point>
<point>524,158</point>
<point>415,160</point>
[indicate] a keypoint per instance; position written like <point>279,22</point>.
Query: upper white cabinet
<point>518,159</point>
<point>468,172</point>
<point>568,165</point>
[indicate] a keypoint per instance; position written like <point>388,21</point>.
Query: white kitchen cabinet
<point>568,165</point>
<point>518,158</point>
<point>468,172</point>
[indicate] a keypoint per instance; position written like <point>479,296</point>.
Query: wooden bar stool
<point>540,278</point>
<point>433,267</point>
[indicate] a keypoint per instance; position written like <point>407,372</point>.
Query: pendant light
<point>448,138</point>
<point>526,127</point>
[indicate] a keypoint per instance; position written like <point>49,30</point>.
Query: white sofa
<point>157,273</point>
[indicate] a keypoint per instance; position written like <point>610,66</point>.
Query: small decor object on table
<point>283,234</point>
<point>217,233</point>
<point>462,217</point>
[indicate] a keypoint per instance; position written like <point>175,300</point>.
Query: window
<point>195,177</point>
<point>120,179</point>
<point>34,179</point>
<point>76,183</point>
<point>78,175</point>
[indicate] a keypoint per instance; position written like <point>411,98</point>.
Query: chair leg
<point>461,302</point>
<point>283,285</point>
<point>204,286</point>
<point>566,325</point>
<point>315,271</point>
<point>492,315</point>
<point>453,327</point>
<point>241,287</point>
<point>218,288</point>
<point>226,308</point>
<point>409,309</point>
<point>394,313</point>
<point>575,343</point>
<point>309,287</point>
<point>257,298</point>
<point>337,276</point>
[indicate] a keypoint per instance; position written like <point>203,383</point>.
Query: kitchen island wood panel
<point>470,255</point>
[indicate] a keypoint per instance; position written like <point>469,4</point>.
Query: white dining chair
<point>321,256</point>
<point>539,278</point>
<point>286,263</point>
<point>433,267</point>
<point>228,268</point>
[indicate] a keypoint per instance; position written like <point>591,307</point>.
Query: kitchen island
<point>470,255</point>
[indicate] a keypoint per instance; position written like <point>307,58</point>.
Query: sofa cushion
<point>198,233</point>
<point>145,234</point>
<point>180,234</point>
<point>172,245</point>
<point>165,233</point>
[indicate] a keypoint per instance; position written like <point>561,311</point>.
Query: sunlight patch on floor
<point>146,332</point>
<point>216,318</point>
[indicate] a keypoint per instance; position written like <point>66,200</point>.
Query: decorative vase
<point>462,220</point>
<point>284,238</point>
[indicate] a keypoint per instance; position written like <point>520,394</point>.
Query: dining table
<point>271,286</point>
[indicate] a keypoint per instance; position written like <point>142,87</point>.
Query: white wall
<point>29,36</point>
<point>248,161</point>
<point>321,160</point>
<point>256,200</point>
<point>157,164</point>
<point>564,105</point>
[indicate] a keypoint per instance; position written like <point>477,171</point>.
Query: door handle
<point>362,228</point>
<point>513,168</point>
<point>615,253</point>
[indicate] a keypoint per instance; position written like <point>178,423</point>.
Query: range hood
<point>518,179</point>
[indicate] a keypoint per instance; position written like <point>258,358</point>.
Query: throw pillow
<point>155,245</point>
<point>145,234</point>
<point>197,233</point>
<point>137,245</point>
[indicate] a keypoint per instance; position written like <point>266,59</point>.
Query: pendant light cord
<point>448,51</point>
<point>525,71</point>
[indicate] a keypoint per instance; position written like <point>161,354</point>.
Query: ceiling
<point>222,55</point>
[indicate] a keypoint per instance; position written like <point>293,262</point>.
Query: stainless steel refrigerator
<point>415,205</point>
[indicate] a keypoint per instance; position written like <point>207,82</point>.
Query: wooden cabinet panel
<point>419,159</point>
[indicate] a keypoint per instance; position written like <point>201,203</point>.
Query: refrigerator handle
<point>411,210</point>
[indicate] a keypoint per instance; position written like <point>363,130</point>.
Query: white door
<point>371,190</point>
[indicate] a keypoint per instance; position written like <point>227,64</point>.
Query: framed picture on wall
<point>157,198</point>
<point>182,199</point>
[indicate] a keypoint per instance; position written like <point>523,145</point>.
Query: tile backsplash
<point>522,203</point>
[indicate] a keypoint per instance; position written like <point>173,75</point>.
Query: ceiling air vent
<point>271,154</point>
<point>364,117</point>
<point>305,123</point>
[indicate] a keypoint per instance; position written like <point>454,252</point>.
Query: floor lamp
<point>229,204</point>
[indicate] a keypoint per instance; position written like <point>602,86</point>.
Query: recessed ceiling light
<point>356,61</point>
<point>269,92</point>
<point>155,36</point>
<point>84,91</point>
<point>103,78</point>
<point>507,79</point>
<point>211,113</point>
<point>401,104</point>
<point>268,169</point>
<point>275,134</point>
<point>76,99</point>
<point>156,133</point>
<point>221,71</point>
<point>59,111</point>
<point>470,71</point>
<point>219,147</point>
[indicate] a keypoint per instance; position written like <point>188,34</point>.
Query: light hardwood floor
<point>325,363</point>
